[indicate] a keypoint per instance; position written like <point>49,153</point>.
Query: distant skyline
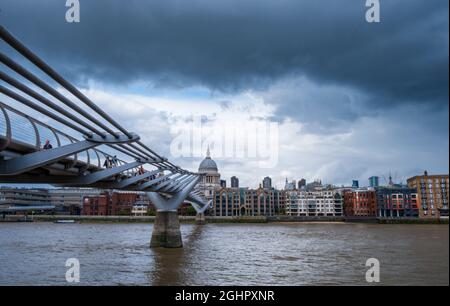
<point>351,99</point>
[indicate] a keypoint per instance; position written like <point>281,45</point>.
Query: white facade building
<point>318,202</point>
<point>139,208</point>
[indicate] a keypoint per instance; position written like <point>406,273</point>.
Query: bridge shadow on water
<point>171,266</point>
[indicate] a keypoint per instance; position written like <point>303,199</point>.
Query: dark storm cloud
<point>234,45</point>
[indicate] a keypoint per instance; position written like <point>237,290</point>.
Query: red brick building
<point>96,205</point>
<point>360,203</point>
<point>110,204</point>
<point>122,202</point>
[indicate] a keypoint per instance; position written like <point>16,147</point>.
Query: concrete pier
<point>166,230</point>
<point>200,219</point>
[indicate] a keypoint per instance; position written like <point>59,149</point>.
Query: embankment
<point>214,219</point>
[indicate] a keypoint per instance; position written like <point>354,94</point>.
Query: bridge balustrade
<point>30,132</point>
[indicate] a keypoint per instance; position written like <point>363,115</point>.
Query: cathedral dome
<point>208,165</point>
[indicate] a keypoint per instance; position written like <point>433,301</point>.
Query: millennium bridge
<point>67,140</point>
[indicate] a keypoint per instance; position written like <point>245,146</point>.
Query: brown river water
<point>225,254</point>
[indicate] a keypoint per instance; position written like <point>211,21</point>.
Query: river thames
<point>225,254</point>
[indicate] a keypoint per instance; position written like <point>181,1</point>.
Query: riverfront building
<point>360,202</point>
<point>264,202</point>
<point>115,203</point>
<point>318,201</point>
<point>432,194</point>
<point>69,201</point>
<point>19,199</point>
<point>396,201</point>
<point>248,202</point>
<point>24,196</point>
<point>229,202</point>
<point>96,205</point>
<point>140,208</point>
<point>64,201</point>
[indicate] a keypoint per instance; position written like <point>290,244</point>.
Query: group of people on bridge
<point>110,161</point>
<point>141,171</point>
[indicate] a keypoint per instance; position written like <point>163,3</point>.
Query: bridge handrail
<point>54,130</point>
<point>137,148</point>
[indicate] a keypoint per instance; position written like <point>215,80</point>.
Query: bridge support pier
<point>166,230</point>
<point>200,219</point>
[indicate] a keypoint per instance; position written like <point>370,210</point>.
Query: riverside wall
<point>217,219</point>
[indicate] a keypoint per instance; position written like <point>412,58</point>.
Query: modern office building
<point>267,183</point>
<point>432,194</point>
<point>69,201</point>
<point>223,183</point>
<point>374,181</point>
<point>234,182</point>
<point>355,184</point>
<point>360,202</point>
<point>22,199</point>
<point>24,196</point>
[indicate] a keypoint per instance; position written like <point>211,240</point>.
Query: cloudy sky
<point>351,99</point>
